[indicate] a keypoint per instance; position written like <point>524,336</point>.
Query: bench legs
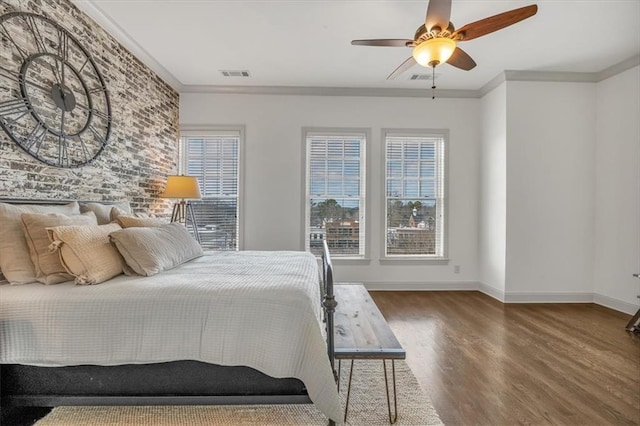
<point>392,417</point>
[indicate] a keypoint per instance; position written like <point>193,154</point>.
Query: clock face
<point>53,100</point>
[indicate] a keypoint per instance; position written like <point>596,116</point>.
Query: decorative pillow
<point>15,258</point>
<point>137,222</point>
<point>103,211</point>
<point>116,212</point>
<point>86,253</point>
<point>48,268</point>
<point>148,251</point>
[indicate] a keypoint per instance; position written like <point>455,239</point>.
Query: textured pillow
<point>48,268</point>
<point>15,258</point>
<point>148,251</point>
<point>115,212</point>
<point>103,211</point>
<point>137,222</point>
<point>86,253</point>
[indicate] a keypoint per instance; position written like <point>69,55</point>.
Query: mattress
<point>257,309</point>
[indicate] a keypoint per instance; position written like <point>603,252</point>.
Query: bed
<point>225,328</point>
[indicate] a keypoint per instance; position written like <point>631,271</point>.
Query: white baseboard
<point>618,305</point>
<point>491,291</point>
<point>559,297</point>
<point>518,297</point>
<point>509,297</point>
<point>422,286</point>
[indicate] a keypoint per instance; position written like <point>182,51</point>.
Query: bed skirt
<point>168,383</point>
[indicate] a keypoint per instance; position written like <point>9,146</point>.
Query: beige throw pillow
<point>48,268</point>
<point>103,211</point>
<point>136,222</point>
<point>15,258</point>
<point>86,253</point>
<point>148,251</point>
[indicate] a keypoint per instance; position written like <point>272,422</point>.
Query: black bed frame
<point>169,383</point>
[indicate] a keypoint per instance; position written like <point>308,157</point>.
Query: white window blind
<point>335,191</point>
<point>213,157</point>
<point>415,173</point>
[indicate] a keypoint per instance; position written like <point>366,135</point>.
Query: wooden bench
<point>361,332</point>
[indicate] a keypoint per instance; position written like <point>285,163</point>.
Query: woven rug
<point>367,406</point>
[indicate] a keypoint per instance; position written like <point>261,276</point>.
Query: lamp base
<point>183,213</point>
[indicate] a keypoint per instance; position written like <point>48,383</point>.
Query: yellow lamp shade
<point>434,51</point>
<point>182,187</point>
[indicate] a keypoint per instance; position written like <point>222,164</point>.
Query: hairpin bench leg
<point>346,404</point>
<point>394,418</point>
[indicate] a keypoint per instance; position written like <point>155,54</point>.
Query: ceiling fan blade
<point>386,42</point>
<point>402,68</point>
<point>496,22</point>
<point>460,59</point>
<point>438,14</point>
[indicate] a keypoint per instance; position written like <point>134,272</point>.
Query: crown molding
<point>328,91</point>
<point>492,84</point>
<point>507,75</point>
<point>551,76</point>
<point>120,35</point>
<point>560,76</point>
<point>618,68</point>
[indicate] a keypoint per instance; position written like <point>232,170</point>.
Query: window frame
<point>442,259</point>
<point>219,130</point>
<point>364,189</point>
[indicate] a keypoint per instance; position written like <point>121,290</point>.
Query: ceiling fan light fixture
<point>434,51</point>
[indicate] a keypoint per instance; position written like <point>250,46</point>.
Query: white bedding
<point>259,309</point>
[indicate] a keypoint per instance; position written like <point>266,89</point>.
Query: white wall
<point>617,189</point>
<point>493,191</point>
<point>544,190</point>
<point>273,193</point>
<point>550,189</point>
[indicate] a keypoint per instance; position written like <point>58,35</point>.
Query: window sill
<point>412,260</point>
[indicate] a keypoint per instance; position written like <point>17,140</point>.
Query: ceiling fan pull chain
<point>433,83</point>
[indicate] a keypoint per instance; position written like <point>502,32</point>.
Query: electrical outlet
<point>456,269</point>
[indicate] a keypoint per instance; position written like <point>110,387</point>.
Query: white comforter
<point>259,309</point>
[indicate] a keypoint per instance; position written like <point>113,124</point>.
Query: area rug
<point>367,406</point>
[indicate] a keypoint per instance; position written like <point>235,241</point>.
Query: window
<point>415,195</point>
<point>335,188</point>
<point>213,157</point>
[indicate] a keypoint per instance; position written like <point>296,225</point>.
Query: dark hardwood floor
<point>486,363</point>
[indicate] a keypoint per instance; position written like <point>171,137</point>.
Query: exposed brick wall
<point>143,146</point>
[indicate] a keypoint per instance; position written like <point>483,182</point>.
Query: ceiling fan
<point>436,40</point>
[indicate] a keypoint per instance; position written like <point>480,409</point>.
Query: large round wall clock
<point>53,99</point>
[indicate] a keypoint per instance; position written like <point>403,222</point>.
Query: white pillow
<point>15,258</point>
<point>103,211</point>
<point>150,250</point>
<point>135,222</point>
<point>48,268</point>
<point>86,253</point>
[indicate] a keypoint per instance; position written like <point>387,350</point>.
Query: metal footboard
<point>329,303</point>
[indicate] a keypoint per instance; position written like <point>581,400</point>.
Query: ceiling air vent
<point>422,76</point>
<point>234,73</point>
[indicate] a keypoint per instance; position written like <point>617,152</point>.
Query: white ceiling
<point>307,42</point>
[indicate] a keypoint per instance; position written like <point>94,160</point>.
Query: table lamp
<point>183,187</point>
